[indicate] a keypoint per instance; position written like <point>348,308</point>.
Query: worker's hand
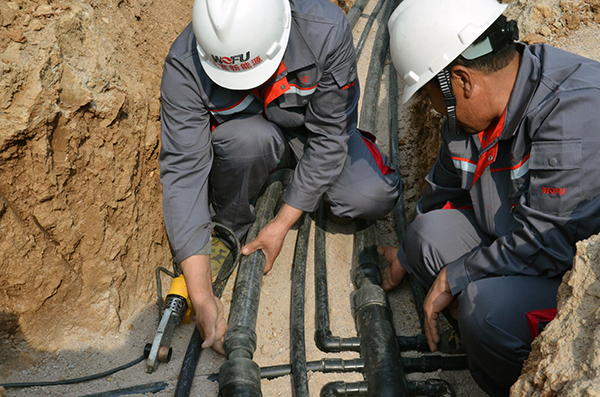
<point>392,275</point>
<point>211,323</point>
<point>209,309</point>
<point>438,298</point>
<point>270,238</point>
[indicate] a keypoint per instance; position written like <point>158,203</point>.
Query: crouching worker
<point>249,87</point>
<point>516,183</point>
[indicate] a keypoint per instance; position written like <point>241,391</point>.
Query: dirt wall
<point>81,228</point>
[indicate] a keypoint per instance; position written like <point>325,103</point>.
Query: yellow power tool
<point>178,309</point>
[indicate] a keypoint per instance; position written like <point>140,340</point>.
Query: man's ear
<point>463,79</point>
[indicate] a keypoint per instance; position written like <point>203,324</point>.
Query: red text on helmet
<point>236,63</point>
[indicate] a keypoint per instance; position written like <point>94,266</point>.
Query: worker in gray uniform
<point>515,185</point>
<point>250,87</point>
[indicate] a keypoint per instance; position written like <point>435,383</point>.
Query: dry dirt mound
<point>565,360</point>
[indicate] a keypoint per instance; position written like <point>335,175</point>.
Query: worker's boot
<point>218,253</point>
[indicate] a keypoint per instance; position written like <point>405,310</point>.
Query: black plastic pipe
<point>140,389</point>
<point>365,33</point>
<point>338,365</point>
<point>370,100</point>
<point>349,389</point>
<point>324,339</point>
<point>431,388</point>
<point>297,340</point>
<point>356,11</point>
<point>384,371</point>
<point>194,348</point>
<point>240,375</point>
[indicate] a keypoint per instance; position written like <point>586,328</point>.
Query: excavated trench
<point>318,323</point>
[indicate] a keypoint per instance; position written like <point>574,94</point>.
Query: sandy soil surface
<point>273,319</point>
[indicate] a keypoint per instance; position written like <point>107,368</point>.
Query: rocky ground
<point>80,224</point>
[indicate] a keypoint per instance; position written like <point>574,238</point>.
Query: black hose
<point>350,389</point>
<point>431,387</point>
<point>194,348</point>
<point>324,339</point>
<point>188,366</point>
<point>370,100</point>
<point>434,363</point>
<point>240,375</point>
<point>76,380</point>
<point>356,11</point>
<point>297,340</point>
<point>230,263</point>
<point>147,388</point>
<point>365,33</point>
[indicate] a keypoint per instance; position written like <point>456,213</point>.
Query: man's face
<point>433,91</point>
<point>466,115</point>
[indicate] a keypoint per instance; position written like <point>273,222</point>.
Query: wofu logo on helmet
<point>236,63</point>
<point>230,60</point>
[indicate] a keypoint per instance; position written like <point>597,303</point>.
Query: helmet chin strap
<point>449,99</point>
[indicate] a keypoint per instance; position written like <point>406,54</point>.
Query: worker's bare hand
<point>269,240</point>
<point>392,275</point>
<point>438,298</point>
<point>211,323</point>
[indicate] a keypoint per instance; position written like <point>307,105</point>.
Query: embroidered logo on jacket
<point>349,85</point>
<point>553,190</point>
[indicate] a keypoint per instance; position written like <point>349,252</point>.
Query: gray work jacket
<point>316,89</point>
<point>535,187</point>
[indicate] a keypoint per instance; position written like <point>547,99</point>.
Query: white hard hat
<point>427,35</point>
<point>241,42</point>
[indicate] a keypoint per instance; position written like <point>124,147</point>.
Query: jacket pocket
<point>555,176</point>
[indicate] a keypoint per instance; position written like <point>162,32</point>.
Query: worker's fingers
<point>208,319</point>
<point>251,247</point>
<point>219,346</point>
<point>391,276</point>
<point>438,298</point>
<point>390,253</point>
<point>431,331</point>
<point>390,279</point>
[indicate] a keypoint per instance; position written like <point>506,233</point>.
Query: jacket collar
<point>298,54</point>
<point>526,84</point>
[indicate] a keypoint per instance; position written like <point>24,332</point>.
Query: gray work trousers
<point>247,149</point>
<point>492,311</point>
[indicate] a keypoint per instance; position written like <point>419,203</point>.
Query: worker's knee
<point>422,246</point>
<point>374,199</point>
<point>245,140</point>
<point>437,238</point>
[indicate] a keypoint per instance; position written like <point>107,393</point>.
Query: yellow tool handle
<point>178,287</point>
